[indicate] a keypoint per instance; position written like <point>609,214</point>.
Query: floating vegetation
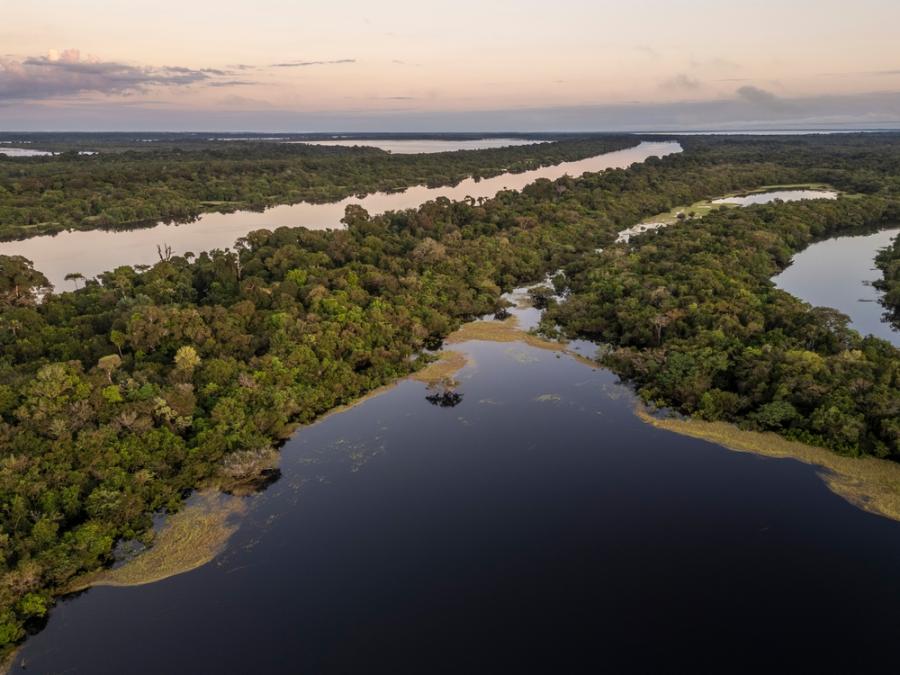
<point>500,331</point>
<point>548,398</point>
<point>871,484</point>
<point>189,539</point>
<point>448,364</point>
<point>521,356</point>
<point>359,454</point>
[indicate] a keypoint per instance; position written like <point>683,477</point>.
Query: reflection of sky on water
<point>838,273</point>
<point>91,252</point>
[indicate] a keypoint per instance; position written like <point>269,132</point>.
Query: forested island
<point>120,398</point>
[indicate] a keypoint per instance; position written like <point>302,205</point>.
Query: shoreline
<point>868,483</point>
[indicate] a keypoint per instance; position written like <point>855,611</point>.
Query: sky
<point>466,65</point>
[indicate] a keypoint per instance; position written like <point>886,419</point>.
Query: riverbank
<point>196,534</point>
<point>189,538</point>
<point>866,482</point>
<point>47,195</point>
<point>91,252</point>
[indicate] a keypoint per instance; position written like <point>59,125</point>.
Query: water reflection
<point>546,526</point>
<point>838,273</point>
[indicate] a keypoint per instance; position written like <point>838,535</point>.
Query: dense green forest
<point>691,317</point>
<point>888,261</point>
<point>119,398</point>
<point>132,184</point>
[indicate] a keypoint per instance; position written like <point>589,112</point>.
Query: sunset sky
<point>279,65</point>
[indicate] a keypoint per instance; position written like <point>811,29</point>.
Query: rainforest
<point>122,397</point>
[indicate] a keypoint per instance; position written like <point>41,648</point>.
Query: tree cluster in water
<point>119,398</point>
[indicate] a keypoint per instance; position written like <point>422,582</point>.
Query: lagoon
<point>838,273</point>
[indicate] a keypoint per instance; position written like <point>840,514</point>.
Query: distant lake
<point>775,195</point>
<point>838,273</point>
<point>23,152</point>
<point>91,252</point>
<point>416,146</point>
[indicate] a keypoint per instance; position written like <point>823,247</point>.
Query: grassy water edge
<point>195,535</point>
<point>704,206</point>
<point>866,482</point>
<point>189,539</point>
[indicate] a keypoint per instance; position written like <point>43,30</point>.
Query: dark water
<point>538,526</point>
<point>838,273</point>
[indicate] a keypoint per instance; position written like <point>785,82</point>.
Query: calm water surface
<point>783,195</point>
<point>419,146</point>
<point>538,526</point>
<point>838,273</point>
<point>95,251</point>
<point>23,152</point>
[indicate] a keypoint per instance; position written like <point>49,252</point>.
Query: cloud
<point>304,64</point>
<point>648,51</point>
<point>873,110</point>
<point>680,82</point>
<point>716,64</point>
<point>230,83</point>
<point>761,98</point>
<point>234,101</point>
<point>866,73</point>
<point>67,73</point>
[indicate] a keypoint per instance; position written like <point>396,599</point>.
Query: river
<point>537,526</point>
<point>91,252</point>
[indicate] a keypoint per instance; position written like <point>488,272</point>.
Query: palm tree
<point>75,277</point>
